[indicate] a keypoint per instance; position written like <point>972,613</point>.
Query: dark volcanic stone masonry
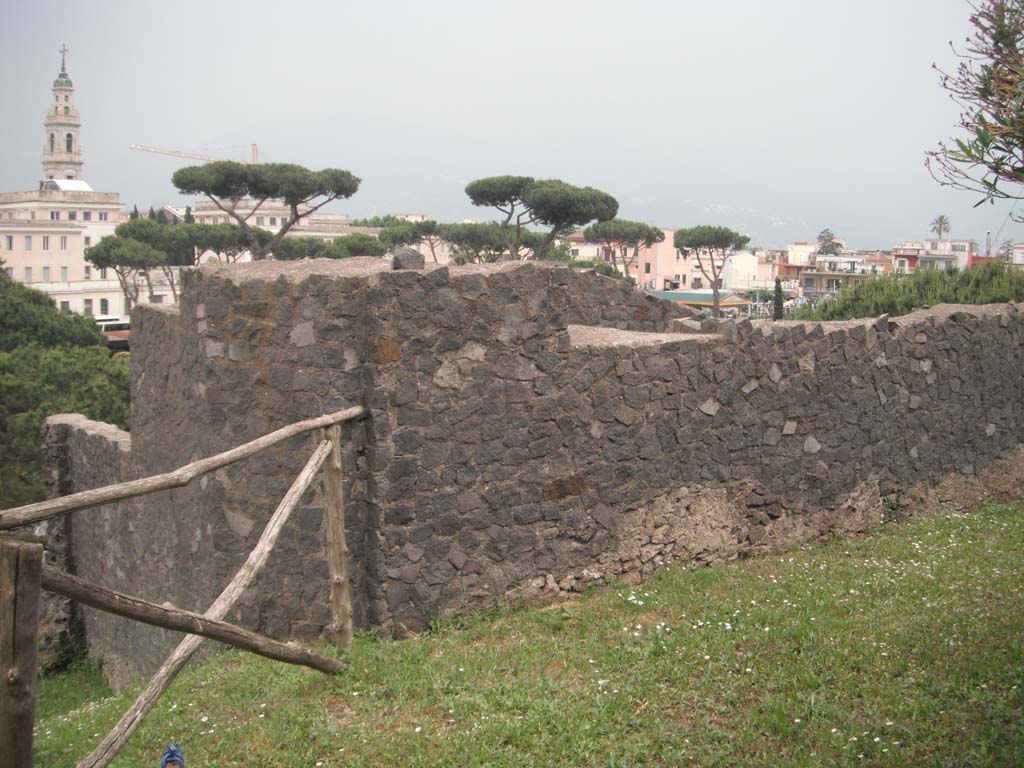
<point>531,428</point>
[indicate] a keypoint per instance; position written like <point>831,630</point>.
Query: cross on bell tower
<point>62,155</point>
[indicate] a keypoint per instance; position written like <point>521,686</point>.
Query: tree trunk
<point>149,285</point>
<point>169,276</point>
<point>130,296</point>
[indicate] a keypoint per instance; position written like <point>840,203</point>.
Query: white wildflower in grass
<point>417,729</point>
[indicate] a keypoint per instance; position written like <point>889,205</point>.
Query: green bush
<point>601,267</point>
<point>28,315</point>
<point>50,362</point>
<point>38,381</point>
<point>897,294</point>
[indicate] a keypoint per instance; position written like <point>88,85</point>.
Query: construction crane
<point>192,156</point>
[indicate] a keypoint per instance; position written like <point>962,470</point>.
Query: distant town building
<point>911,255</point>
<point>44,233</point>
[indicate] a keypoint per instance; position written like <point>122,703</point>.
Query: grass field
<point>905,648</point>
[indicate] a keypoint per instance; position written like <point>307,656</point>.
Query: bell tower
<point>62,154</point>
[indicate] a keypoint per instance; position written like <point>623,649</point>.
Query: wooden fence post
<point>337,548</point>
<point>20,585</point>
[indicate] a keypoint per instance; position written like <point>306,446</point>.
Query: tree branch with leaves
<point>988,86</point>
<point>227,183</point>
<point>523,201</point>
<point>621,236</point>
<point>712,247</point>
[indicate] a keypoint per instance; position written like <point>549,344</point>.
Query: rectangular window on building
<point>86,215</point>
<point>88,241</point>
<point>46,243</point>
<point>54,215</point>
<point>64,274</point>
<point>102,215</point>
<point>647,268</point>
<point>273,221</point>
<point>157,298</point>
<point>9,241</point>
<point>259,221</point>
<point>46,274</point>
<point>10,272</point>
<point>72,215</point>
<point>87,307</point>
<point>88,272</point>
<point>28,274</point>
<point>28,242</point>
<point>104,307</point>
<point>65,306</point>
<point>103,276</point>
<point>697,283</point>
<point>63,242</point>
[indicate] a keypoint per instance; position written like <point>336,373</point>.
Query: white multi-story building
<point>44,233</point>
<point>911,255</point>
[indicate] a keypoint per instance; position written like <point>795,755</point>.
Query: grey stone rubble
<point>531,428</point>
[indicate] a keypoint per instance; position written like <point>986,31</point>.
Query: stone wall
<point>530,428</point>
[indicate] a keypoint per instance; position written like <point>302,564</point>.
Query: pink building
<point>663,268</point>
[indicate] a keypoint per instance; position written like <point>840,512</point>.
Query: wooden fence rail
<point>33,513</point>
<point>180,620</point>
<point>22,576</point>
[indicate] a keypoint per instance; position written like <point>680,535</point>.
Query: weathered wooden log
<point>180,620</point>
<point>32,513</point>
<point>19,639</point>
<point>337,547</point>
<point>116,739</point>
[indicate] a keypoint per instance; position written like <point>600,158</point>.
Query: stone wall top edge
<point>591,336</point>
<point>936,313</point>
<point>780,331</point>
<point>360,267</point>
<point>79,423</point>
<point>170,310</point>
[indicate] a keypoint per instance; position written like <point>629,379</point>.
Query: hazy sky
<point>774,117</point>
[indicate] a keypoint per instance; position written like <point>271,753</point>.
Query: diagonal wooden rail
<point>118,736</point>
<point>17,687</point>
<point>33,513</point>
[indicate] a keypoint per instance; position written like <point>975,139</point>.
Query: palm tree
<point>940,224</point>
